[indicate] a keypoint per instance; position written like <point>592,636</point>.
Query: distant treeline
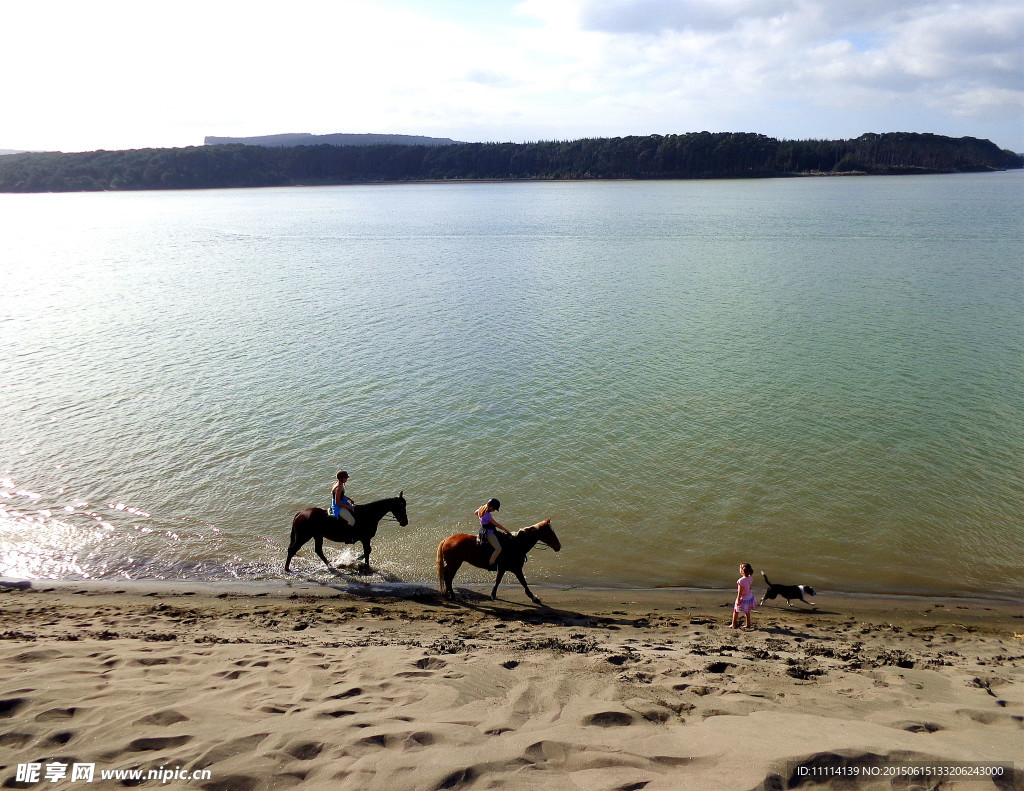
<point>700,155</point>
<point>339,139</point>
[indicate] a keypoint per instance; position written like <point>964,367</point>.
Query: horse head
<point>398,509</point>
<point>547,536</point>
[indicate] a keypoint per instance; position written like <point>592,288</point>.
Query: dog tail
<point>766,581</point>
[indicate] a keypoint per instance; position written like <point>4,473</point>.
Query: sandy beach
<point>314,686</point>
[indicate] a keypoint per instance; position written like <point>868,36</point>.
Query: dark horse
<point>464,548</point>
<point>317,524</point>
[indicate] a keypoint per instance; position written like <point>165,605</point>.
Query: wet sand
<point>346,687</point>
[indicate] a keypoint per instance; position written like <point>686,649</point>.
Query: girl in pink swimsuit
<point>745,599</point>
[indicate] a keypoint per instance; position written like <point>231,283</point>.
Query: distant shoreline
<point>697,156</point>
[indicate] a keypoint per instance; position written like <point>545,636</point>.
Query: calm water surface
<point>823,377</point>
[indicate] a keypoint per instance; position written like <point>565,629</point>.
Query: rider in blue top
<point>341,505</point>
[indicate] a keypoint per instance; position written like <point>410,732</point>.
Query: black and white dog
<point>787,592</point>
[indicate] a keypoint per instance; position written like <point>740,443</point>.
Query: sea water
<point>823,377</point>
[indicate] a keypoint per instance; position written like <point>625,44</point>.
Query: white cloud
<point>124,74</point>
<point>657,16</point>
<point>734,59</point>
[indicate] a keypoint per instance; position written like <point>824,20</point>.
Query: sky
<point>113,74</point>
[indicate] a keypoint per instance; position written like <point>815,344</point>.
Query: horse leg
<point>522,581</point>
<point>497,582</point>
<point>318,546</point>
<point>365,559</point>
<point>294,546</point>
<point>449,578</point>
<point>446,571</point>
<point>444,585</point>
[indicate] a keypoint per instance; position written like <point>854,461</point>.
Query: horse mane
<point>532,528</point>
<point>378,501</point>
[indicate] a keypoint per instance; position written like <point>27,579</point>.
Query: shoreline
<point>353,585</point>
<point>313,686</point>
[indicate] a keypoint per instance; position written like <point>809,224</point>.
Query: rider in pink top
<point>488,525</point>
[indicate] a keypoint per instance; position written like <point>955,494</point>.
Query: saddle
<point>342,515</point>
<point>503,540</point>
<point>481,539</point>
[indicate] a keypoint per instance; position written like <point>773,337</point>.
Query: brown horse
<point>464,548</point>
<point>317,524</point>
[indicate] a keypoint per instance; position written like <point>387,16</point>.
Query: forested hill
<point>700,155</point>
<point>339,139</point>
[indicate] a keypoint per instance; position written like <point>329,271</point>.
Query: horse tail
<point>440,565</point>
<point>295,541</point>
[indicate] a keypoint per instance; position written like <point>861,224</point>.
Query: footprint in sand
<point>348,693</point>
<point>337,714</point>
<point>425,666</point>
<point>153,661</point>
<point>33,656</point>
<point>542,752</point>
<point>402,740</point>
<point>993,718</point>
<point>61,737</point>
<point>304,751</point>
<point>609,719</point>
<point>700,691</point>
<point>918,727</point>
<point>230,675</point>
<point>10,706</point>
<point>56,714</point>
<point>162,718</point>
<point>157,743</point>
